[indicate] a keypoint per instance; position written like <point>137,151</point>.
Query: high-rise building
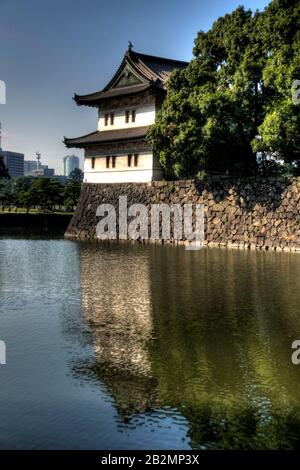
<point>48,172</point>
<point>29,167</point>
<point>35,168</point>
<point>69,163</point>
<point>14,162</point>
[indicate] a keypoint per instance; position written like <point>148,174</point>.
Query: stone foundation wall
<point>261,213</point>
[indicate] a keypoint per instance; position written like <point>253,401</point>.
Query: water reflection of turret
<point>116,305</point>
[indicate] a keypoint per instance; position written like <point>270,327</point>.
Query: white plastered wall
<point>144,116</point>
<point>145,171</point>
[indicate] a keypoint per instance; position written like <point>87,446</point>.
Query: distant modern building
<point>13,161</point>
<point>69,163</point>
<point>34,168</point>
<point>48,172</point>
<point>29,167</point>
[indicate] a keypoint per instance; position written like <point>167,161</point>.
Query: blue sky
<point>50,49</point>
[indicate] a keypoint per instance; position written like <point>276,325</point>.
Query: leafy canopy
<point>42,193</point>
<point>234,98</point>
<point>76,175</point>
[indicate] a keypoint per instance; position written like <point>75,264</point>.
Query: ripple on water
<point>147,347</point>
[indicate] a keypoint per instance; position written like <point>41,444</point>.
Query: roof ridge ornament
<point>130,46</point>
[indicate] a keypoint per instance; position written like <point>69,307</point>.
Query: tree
<point>71,193</point>
<point>279,132</point>
<point>76,175</point>
<point>46,193</point>
<point>43,193</point>
<point>235,95</point>
<point>22,194</point>
<point>6,193</point>
<point>3,169</point>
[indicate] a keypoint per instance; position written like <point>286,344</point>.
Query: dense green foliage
<point>45,194</point>
<point>3,169</point>
<point>76,175</point>
<point>234,99</point>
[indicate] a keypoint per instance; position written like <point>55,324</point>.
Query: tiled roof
<point>153,72</point>
<point>154,67</point>
<point>99,137</point>
<point>94,98</point>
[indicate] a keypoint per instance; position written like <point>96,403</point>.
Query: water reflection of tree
<point>207,333</point>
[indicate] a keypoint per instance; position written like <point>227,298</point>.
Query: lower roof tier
<point>99,137</point>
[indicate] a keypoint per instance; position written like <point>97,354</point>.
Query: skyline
<point>53,50</point>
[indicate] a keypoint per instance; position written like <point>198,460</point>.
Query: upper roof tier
<point>137,73</point>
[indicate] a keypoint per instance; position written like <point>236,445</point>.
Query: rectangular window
<point>112,118</point>
<point>93,163</point>
<point>133,115</point>
<point>107,162</point>
<point>113,162</point>
<point>106,120</point>
<point>136,158</point>
<point>127,116</point>
<point>129,158</point>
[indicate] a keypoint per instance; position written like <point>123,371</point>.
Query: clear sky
<point>50,49</point>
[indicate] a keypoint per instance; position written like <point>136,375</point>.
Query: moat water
<point>147,347</point>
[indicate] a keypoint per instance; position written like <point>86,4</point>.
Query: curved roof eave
<point>143,66</point>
